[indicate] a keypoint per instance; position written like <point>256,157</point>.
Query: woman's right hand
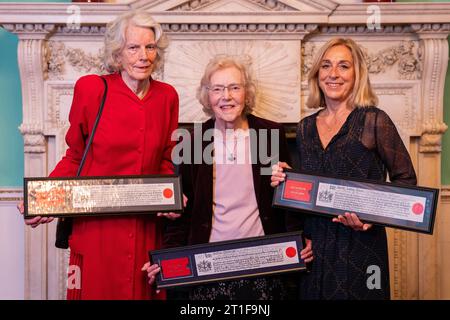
<point>277,173</point>
<point>33,222</point>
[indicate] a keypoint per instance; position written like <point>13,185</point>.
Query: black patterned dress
<point>367,146</point>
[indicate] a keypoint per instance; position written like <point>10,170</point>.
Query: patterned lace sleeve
<point>391,149</point>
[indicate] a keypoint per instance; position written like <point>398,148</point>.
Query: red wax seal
<point>291,252</point>
<point>417,208</point>
<point>167,193</point>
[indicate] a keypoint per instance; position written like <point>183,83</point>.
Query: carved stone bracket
<point>431,139</point>
<point>30,30</point>
<point>434,45</point>
<point>31,54</point>
<point>33,137</point>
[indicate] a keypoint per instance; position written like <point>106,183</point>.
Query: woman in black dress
<point>351,138</point>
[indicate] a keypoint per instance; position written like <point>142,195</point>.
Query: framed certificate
<point>95,196</point>
<point>398,206</point>
<point>226,260</point>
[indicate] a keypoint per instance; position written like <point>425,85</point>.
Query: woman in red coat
<point>133,137</point>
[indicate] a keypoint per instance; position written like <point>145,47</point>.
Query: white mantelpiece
<point>407,56</point>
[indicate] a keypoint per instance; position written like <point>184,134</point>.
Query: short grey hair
<point>223,61</point>
<point>115,38</point>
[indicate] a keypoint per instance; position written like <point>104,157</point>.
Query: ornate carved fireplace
<point>407,56</point>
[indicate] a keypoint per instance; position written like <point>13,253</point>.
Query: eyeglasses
<point>218,90</point>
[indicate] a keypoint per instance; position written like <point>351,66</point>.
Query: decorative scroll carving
<point>29,28</point>
<point>359,29</point>
<point>431,28</point>
<point>77,58</point>
<point>55,59</point>
<point>308,49</point>
<point>273,5</point>
<point>85,62</point>
<point>431,139</point>
<point>405,54</point>
<point>192,5</point>
<point>96,30</point>
<point>409,67</point>
<point>195,5</point>
<point>33,137</point>
<point>290,28</point>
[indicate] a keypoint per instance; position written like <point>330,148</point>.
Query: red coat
<point>133,138</point>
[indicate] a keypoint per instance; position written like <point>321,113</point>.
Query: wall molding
<point>10,194</point>
<point>445,193</point>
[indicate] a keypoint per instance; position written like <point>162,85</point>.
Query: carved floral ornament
<point>270,5</point>
<point>405,54</point>
<point>58,54</point>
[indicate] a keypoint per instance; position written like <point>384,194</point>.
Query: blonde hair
<point>362,94</point>
<point>115,38</point>
<point>220,62</point>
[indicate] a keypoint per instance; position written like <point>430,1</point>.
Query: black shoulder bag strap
<point>64,225</point>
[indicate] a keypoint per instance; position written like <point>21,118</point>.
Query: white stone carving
<point>197,5</point>
<point>431,140</point>
<point>270,60</point>
<point>29,29</point>
<point>82,62</point>
<point>404,54</point>
<point>240,28</point>
<point>408,78</point>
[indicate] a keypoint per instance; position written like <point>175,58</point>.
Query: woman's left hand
<point>152,271</point>
<point>351,220</point>
<point>307,254</point>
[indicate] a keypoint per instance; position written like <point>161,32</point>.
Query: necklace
<point>334,121</point>
<point>231,155</point>
<point>328,127</point>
